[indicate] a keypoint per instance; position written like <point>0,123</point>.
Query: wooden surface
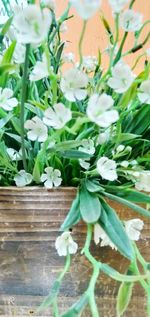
<point>29,223</point>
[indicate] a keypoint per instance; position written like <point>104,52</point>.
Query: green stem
<point>92,300</point>
<point>120,48</point>
<point>131,4</point>
<point>96,270</point>
<point>55,308</point>
<point>66,268</point>
<point>81,42</point>
<point>23,99</point>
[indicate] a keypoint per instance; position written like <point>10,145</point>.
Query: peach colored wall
<point>95,34</point>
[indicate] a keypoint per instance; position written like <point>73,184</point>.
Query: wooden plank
<point>30,219</point>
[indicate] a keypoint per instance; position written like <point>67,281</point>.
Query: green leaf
<point>6,26</point>
<point>124,297</point>
<point>6,68</point>
<point>39,166</point>
<point>114,228</point>
<point>74,154</point>
<point>8,54</point>
<point>5,120</point>
<point>140,121</point>
<point>73,216</point>
<point>129,204</point>
<point>52,295</point>
<point>129,194</point>
<point>77,308</point>
<point>90,206</point>
<point>67,145</point>
<point>93,186</point>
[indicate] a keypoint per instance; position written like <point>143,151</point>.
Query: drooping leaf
<point>115,230</point>
<point>73,216</point>
<point>124,297</point>
<point>129,194</point>
<point>90,206</point>
<point>129,204</point>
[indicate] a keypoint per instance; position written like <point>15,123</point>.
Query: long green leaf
<point>114,228</point>
<point>74,154</point>
<point>129,204</point>
<point>73,216</point>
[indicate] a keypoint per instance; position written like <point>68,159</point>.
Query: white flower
<point>143,181</point>
<point>57,116</point>
<point>40,70</point>
<point>144,94</point>
<point>89,63</point>
<point>84,164</point>
<point>64,244</point>
<point>107,168</point>
<point>50,4</point>
<point>6,100</point>
<point>14,155</point>
<point>38,131</point>
<point>22,178</point>
<point>87,146</point>
<point>19,54</point>
<point>32,24</point>
<point>68,57</point>
<point>133,228</point>
<point>117,5</point>
<point>120,148</point>
<point>99,234</point>
<point>103,137</point>
<point>51,178</point>
<point>86,8</point>
<point>98,110</point>
<point>124,164</point>
<point>73,84</point>
<point>131,21</point>
<point>122,77</point>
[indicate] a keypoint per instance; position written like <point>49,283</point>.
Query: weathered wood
<point>29,224</point>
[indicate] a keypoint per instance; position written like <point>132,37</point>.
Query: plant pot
<point>30,219</point>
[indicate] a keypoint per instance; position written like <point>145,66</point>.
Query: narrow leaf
<point>129,204</point>
<point>73,216</point>
<point>115,230</point>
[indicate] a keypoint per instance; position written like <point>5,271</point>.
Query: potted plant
<point>79,140</point>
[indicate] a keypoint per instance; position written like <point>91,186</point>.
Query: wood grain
<point>30,219</point>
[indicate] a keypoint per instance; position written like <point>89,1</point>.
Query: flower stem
<point>81,41</point>
<point>23,99</point>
